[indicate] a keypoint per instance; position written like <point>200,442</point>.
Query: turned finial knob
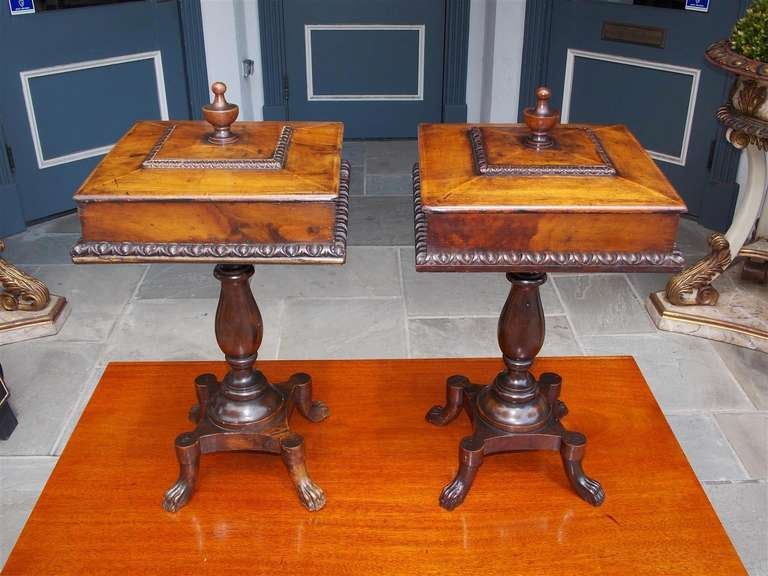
<point>541,120</point>
<point>221,114</point>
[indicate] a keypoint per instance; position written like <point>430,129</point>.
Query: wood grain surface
<point>124,201</point>
<point>449,181</point>
<point>312,164</point>
<point>382,466</point>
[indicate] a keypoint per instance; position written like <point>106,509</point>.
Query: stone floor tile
<point>96,294</point>
<point>388,185</point>
<point>15,508</point>
<point>354,153</point>
<point>25,472</point>
<point>390,156</point>
<point>381,221</point>
<point>357,328</point>
<point>32,247</point>
<point>692,239</point>
<point>708,452</point>
<point>45,379</point>
<point>683,372</point>
<point>63,224</point>
<point>180,330</point>
<point>357,181</point>
<point>466,337</point>
<point>369,272</point>
<point>748,434</point>
<point>177,280</point>
<point>603,304</point>
<point>77,410</point>
<point>444,294</point>
<point>750,368</point>
<point>743,510</point>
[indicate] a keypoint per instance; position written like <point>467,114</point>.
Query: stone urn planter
<point>747,111</point>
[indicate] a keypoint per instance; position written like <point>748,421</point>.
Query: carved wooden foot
<point>442,415</point>
<point>310,494</point>
<point>572,452</point>
<point>312,410</point>
<point>470,458</point>
<point>188,454</point>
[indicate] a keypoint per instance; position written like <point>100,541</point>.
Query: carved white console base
<point>740,316</point>
<point>736,310</point>
<point>18,325</point>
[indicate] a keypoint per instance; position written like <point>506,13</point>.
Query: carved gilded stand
<point>27,309</point>
<point>690,303</point>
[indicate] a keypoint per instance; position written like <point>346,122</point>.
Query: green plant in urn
<point>745,54</point>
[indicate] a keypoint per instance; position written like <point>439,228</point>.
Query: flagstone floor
<point>715,396</point>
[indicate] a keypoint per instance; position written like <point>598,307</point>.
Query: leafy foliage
<point>750,34</point>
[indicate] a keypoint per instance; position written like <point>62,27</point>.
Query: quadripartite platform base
<point>486,438</point>
<point>517,411</point>
<point>271,434</point>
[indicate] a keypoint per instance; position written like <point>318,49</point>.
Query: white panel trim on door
<point>84,65</point>
<point>694,73</point>
<point>308,28</point>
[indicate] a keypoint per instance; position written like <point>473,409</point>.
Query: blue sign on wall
<point>698,5</point>
<point>21,7</point>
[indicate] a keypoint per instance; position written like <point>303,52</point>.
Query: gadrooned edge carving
<point>137,251</point>
<point>723,56</point>
<point>750,130</point>
<point>533,261</point>
<point>483,168</point>
<point>274,162</point>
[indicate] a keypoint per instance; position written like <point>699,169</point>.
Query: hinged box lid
<point>587,169</point>
<point>174,160</point>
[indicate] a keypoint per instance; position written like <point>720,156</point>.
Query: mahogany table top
<point>382,466</point>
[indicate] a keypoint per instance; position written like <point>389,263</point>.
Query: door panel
<point>663,133</point>
<point>93,71</point>
<point>667,96</point>
<point>375,65</point>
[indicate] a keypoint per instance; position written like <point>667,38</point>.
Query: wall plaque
<point>634,34</point>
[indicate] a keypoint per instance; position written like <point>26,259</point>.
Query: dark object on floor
<point>8,420</point>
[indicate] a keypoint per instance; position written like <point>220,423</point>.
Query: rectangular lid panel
<point>270,161</point>
<point>590,168</point>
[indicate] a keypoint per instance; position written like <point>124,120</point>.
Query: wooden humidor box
<point>166,193</point>
<point>594,201</point>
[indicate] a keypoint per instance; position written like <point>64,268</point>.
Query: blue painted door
<point>73,81</point>
<point>667,95</point>
<point>376,65</point>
